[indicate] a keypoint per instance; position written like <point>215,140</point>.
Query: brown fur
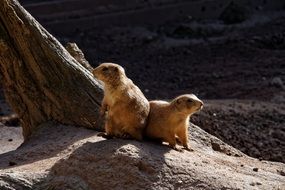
<point>126,107</point>
<point>169,121</point>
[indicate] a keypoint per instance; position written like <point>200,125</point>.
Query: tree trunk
<point>42,81</point>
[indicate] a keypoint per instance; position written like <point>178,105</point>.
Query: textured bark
<point>78,55</point>
<point>42,81</point>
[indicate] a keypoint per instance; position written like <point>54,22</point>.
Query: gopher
<point>169,121</point>
<point>125,105</point>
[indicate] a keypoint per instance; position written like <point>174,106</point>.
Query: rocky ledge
<point>69,157</point>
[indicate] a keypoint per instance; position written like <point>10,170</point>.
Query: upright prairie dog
<point>126,106</point>
<point>170,120</point>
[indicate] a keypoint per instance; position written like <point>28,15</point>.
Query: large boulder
<point>68,157</point>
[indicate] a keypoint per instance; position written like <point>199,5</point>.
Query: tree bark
<point>42,81</point>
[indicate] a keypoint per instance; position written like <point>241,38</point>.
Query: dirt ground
<point>243,63</point>
<point>238,70</point>
<point>254,127</point>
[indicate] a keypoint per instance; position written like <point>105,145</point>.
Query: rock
<point>277,82</point>
<point>216,146</point>
<point>67,157</point>
<point>234,13</point>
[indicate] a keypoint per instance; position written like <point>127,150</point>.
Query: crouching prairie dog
<point>125,105</point>
<point>169,121</point>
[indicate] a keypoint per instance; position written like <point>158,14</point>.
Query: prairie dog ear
<point>179,101</point>
<point>93,71</point>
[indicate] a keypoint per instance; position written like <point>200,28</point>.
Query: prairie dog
<point>125,105</point>
<point>170,120</point>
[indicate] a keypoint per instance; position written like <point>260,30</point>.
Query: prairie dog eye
<point>189,100</point>
<point>105,69</point>
<point>116,69</point>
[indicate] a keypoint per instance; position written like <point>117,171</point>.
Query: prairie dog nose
<point>201,104</point>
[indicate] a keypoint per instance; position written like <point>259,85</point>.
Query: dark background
<point>231,54</point>
<point>215,49</point>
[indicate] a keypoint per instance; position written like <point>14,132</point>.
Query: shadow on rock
<point>109,164</point>
<point>47,142</point>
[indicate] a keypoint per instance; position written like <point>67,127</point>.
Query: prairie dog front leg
<point>104,107</point>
